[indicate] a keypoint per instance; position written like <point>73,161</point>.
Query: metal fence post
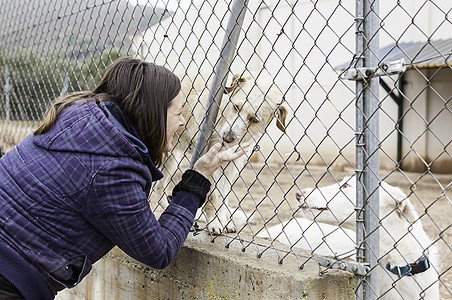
<point>367,146</point>
<point>228,48</point>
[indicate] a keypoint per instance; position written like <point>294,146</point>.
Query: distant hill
<point>75,28</point>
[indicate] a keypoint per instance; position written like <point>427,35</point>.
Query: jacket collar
<point>116,116</point>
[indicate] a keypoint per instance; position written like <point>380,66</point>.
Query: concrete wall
<point>206,270</point>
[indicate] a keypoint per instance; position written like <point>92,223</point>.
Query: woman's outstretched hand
<point>213,159</point>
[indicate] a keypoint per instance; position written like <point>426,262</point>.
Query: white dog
<point>247,109</point>
<point>407,256</point>
<point>318,238</point>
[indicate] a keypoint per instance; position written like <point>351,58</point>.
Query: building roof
<point>433,54</point>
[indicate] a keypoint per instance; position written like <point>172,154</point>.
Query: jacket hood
<point>94,128</point>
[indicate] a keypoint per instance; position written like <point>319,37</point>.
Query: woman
<point>79,185</point>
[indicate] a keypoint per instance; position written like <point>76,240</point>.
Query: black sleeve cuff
<point>194,183</point>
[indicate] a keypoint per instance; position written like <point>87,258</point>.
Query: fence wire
<point>301,78</point>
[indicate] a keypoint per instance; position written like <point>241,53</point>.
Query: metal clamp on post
<point>350,266</point>
<point>385,69</point>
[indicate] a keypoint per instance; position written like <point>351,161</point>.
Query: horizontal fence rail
<point>346,104</point>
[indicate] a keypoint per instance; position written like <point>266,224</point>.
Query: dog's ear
<point>281,118</point>
<point>404,208</point>
<point>236,80</point>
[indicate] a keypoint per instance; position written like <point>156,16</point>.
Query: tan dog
<point>246,111</point>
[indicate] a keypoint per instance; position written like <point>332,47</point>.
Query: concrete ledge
<point>206,270</point>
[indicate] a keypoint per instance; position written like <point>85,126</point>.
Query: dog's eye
<point>253,120</point>
<point>236,107</point>
<point>345,185</point>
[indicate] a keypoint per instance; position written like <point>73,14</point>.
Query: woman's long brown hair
<point>142,90</point>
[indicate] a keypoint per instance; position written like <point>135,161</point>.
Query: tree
<point>29,82</point>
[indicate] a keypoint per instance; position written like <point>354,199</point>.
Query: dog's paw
<point>218,227</point>
<point>215,227</point>
<point>230,228</point>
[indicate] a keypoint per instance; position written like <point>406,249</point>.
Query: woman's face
<point>174,120</point>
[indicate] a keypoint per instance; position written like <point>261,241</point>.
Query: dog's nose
<point>300,195</point>
<point>228,137</point>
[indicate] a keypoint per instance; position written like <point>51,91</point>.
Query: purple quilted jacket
<point>68,196</point>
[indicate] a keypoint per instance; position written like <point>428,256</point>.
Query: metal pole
<point>367,145</point>
<point>222,66</point>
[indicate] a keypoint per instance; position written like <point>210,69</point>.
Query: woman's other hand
<point>213,159</point>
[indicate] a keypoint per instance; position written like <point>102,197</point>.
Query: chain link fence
<point>365,90</point>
